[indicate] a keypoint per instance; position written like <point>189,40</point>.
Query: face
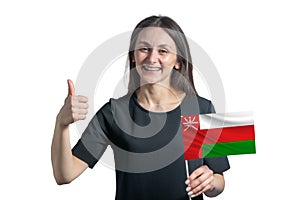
<point>155,56</point>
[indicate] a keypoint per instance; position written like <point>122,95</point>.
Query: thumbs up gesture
<point>75,107</point>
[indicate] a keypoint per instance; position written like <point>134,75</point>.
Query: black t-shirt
<point>148,147</point>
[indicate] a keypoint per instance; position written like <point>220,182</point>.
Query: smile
<point>148,68</point>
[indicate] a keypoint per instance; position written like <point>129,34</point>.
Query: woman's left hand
<point>200,181</point>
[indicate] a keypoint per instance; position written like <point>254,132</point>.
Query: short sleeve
<point>217,164</point>
<point>93,142</point>
<point>211,108</point>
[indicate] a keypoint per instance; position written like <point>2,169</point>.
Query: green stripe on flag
<point>228,148</point>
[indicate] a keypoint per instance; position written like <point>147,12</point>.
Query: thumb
<point>71,88</point>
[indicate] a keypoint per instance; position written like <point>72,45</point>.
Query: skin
<point>155,49</point>
<point>202,180</point>
<point>155,57</point>
<point>67,167</point>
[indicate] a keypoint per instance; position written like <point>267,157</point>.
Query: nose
<point>153,56</point>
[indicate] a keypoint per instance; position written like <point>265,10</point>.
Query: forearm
<point>61,154</point>
<point>217,186</point>
<point>67,167</point>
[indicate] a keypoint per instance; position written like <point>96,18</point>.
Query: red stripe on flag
<point>227,134</point>
<point>191,140</point>
<point>192,145</point>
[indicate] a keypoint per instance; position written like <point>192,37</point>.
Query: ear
<point>177,66</point>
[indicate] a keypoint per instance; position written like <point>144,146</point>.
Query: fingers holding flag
<point>203,180</point>
<point>75,107</point>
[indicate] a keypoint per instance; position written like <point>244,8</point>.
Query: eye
<point>144,49</point>
<point>163,51</point>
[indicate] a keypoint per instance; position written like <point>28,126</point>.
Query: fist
<point>75,107</point>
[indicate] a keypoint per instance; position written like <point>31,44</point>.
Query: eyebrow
<point>148,44</point>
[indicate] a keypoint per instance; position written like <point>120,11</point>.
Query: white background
<point>255,46</point>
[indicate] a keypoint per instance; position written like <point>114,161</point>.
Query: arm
<point>203,180</point>
<point>67,167</point>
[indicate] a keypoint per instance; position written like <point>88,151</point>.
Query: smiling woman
<point>143,127</point>
<point>171,41</point>
<point>155,56</point>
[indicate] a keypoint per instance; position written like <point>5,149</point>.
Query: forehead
<point>155,36</point>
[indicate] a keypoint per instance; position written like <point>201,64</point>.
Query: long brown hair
<point>183,80</point>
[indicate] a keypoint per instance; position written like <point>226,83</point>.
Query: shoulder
<point>121,100</point>
<point>203,101</point>
<point>204,106</point>
<point>114,104</point>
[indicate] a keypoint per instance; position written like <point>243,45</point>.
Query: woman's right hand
<point>75,107</point>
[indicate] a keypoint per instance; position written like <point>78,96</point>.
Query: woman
<point>143,127</point>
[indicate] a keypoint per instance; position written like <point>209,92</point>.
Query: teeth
<point>151,68</point>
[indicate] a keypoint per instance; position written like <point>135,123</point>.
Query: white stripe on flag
<point>220,120</point>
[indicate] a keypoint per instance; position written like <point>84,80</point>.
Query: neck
<point>156,97</point>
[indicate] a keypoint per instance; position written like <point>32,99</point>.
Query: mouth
<point>150,68</point>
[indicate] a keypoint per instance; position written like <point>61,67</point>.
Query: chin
<point>149,82</point>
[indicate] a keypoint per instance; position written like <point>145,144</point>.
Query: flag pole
<point>187,173</point>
